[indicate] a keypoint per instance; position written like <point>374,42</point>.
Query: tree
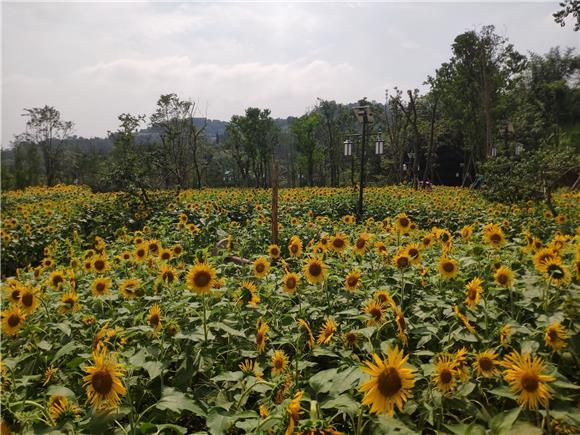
<point>304,130</point>
<point>568,7</point>
<point>46,129</point>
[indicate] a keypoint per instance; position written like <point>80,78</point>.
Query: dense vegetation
<point>441,312</point>
<point>487,100</point>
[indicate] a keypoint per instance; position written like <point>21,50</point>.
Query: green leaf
<point>524,428</point>
<point>503,392</point>
<point>503,422</point>
<point>321,382</point>
<point>228,376</point>
<point>153,368</point>
<point>390,426</point>
<point>567,385</point>
<point>345,380</point>
<point>65,350</point>
<point>342,403</point>
<point>177,401</point>
<point>60,390</point>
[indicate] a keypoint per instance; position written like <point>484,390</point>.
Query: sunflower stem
<point>204,318</point>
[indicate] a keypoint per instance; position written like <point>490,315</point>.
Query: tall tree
<point>46,129</point>
<point>305,131</point>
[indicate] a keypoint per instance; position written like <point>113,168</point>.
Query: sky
<point>94,61</point>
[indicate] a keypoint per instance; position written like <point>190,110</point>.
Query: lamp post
<point>365,117</point>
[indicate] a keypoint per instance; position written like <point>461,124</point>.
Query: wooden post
<point>274,202</point>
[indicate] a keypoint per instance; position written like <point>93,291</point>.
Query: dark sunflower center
<point>448,267</point>
<point>27,299</point>
<point>389,382</point>
<point>154,320</point>
<point>360,243</point>
<point>502,279</point>
<point>57,280</point>
<point>401,323</point>
<point>291,282</point>
<point>177,251</point>
<point>99,265</point>
<point>165,256</point>
<point>351,338</point>
<point>294,249</point>
<point>553,334</point>
<point>102,382</point>
<point>13,320</point>
<point>140,253</point>
<point>201,279</point>
<point>495,238</point>
<point>403,262</point>
<point>274,252</point>
<point>414,253</point>
<point>100,287</point>
<point>153,248</point>
<point>485,363</point>
<point>69,302</point>
<point>445,376</point>
<point>555,271</point>
<point>259,337</point>
<point>376,313</point>
<point>15,294</point>
<point>278,363</point>
<point>404,222</point>
<point>338,243</point>
<point>260,267</point>
<point>315,269</point>
<point>352,281</point>
<point>168,276</point>
<point>472,294</point>
<point>530,382</point>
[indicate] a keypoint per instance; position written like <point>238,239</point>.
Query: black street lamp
<point>365,117</point>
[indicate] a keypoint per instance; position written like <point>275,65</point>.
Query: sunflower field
<point>441,312</point>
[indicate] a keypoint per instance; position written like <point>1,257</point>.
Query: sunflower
<point>154,317</point>
<point>274,252</point>
<point>294,412</point>
<point>60,409</point>
<point>352,281</point>
<point>427,240</point>
<point>385,298</point>
<point>69,302</point>
<point>103,380</point>
<point>261,267</point>
<point>351,339</point>
<point>445,373</point>
<point>402,260</point>
<point>556,273</point>
<point>376,311</point>
<point>262,330</point>
<point>461,364</point>
<point>141,252</point>
<point>390,382</point>
<point>448,267</point>
<point>401,325</point>
<point>504,277</point>
<point>493,235</point>
<point>129,288</point>
<point>466,232</point>
<point>403,223</point>
<point>279,362</point>
<point>295,246</point>
<point>314,270</point>
<point>13,291</point>
<point>414,252</point>
<point>473,292</point>
<point>486,363</point>
<point>165,254</point>
<point>29,299</point>
<point>177,250</point>
<point>542,257</point>
<point>308,331</point>
<point>251,367</point>
<point>12,320</point>
<point>154,247</point>
<point>362,243</point>
<point>291,281</point>
<point>167,274</point>
<point>56,278</point>
<point>526,377</point>
<point>100,264</point>
<point>349,219</point>
<point>504,335</point>
<point>339,242</point>
<point>101,286</point>
<point>381,249</point>
<point>200,278</point>
<point>555,336</point>
<point>249,294</point>
<point>463,319</point>
<point>326,331</point>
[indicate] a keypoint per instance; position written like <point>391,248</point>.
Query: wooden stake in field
<point>274,202</point>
